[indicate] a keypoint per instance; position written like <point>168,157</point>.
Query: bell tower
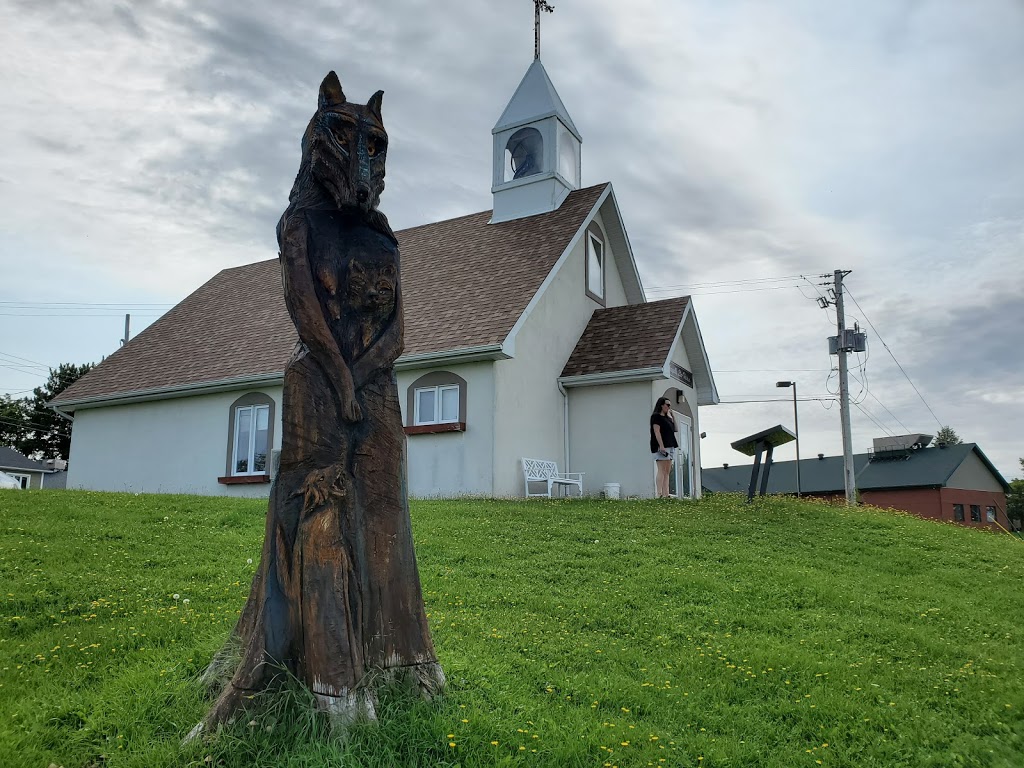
<point>536,147</point>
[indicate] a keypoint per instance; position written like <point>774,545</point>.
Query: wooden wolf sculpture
<point>336,600</point>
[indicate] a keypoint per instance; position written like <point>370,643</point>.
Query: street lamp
<point>796,430</point>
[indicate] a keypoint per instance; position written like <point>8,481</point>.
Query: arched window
<point>250,436</point>
<point>436,402</point>
<point>524,154</point>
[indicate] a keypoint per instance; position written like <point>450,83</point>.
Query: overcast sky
<point>149,144</point>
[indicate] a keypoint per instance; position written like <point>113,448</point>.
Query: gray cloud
<point>744,141</point>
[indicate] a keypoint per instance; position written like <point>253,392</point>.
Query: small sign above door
<point>681,374</point>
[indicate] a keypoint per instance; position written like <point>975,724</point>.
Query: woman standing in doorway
<point>663,443</point>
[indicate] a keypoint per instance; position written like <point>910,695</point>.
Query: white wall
<point>529,414</point>
<point>166,446</point>
<point>614,292</point>
<point>609,437</point>
<point>454,463</point>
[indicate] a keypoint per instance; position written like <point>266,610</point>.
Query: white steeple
<point>536,150</point>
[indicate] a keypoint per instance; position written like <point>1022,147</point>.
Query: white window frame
<point>591,240</point>
<point>25,480</point>
<point>251,448</point>
<point>437,389</point>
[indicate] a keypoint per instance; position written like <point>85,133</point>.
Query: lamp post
<point>796,430</point>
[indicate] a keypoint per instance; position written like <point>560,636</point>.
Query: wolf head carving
<point>344,147</point>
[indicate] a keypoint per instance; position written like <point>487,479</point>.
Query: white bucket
<point>611,490</point>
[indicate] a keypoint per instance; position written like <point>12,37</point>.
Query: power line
<point>6,362</point>
<point>721,283</point>
<point>23,424</point>
<point>875,421</point>
<point>778,400</point>
<point>34,362</point>
<point>79,304</point>
<point>736,290</point>
<point>24,314</point>
<point>771,370</point>
<point>868,391</point>
<point>872,326</point>
<point>20,368</point>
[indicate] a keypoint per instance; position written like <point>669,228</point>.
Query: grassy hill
<point>589,633</point>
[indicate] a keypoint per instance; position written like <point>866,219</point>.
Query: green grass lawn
<point>589,633</point>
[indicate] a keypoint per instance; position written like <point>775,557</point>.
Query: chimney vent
<point>821,456</point>
<point>725,466</point>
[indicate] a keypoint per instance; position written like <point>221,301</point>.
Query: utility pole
<point>843,347</point>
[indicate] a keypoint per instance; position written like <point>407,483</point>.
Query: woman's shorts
<point>671,455</point>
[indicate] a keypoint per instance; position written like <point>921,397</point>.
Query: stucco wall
<point>454,463</point>
<point>167,446</point>
<point>529,413</point>
<point>608,437</point>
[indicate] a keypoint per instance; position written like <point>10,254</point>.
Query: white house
<point>527,335</point>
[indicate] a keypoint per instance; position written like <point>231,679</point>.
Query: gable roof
<point>465,283</point>
<point>638,341</point>
<point>12,459</point>
<point>535,98</point>
<point>627,338</point>
<point>924,468</point>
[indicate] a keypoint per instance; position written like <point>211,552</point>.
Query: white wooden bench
<point>541,471</point>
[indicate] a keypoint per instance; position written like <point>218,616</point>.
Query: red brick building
<point>952,483</point>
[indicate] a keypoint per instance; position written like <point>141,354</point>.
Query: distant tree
<point>13,427</point>
<point>948,436</point>
<point>1015,500</point>
<point>50,434</point>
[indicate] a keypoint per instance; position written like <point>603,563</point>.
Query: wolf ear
<point>374,105</point>
<point>331,94</point>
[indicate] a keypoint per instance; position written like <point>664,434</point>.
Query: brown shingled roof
<point>627,338</point>
<point>465,283</point>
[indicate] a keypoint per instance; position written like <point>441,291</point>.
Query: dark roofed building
<point>29,473</point>
<point>953,483</point>
<point>527,335</point>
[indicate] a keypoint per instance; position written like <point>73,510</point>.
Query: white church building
<point>527,336</point>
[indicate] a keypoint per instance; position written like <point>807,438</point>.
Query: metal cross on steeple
<point>538,6</point>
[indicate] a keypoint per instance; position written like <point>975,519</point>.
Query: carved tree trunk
<point>336,600</point>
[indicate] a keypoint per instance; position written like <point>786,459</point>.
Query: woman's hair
<point>657,405</point>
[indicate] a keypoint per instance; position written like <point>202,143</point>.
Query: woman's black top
<point>668,432</point>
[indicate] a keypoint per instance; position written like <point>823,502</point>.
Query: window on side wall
<point>436,405</point>
<point>990,514</point>
<point>23,480</point>
<point>252,430</point>
<point>975,513</point>
<point>436,402</point>
<point>958,512</point>
<point>595,266</point>
<point>250,435</point>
